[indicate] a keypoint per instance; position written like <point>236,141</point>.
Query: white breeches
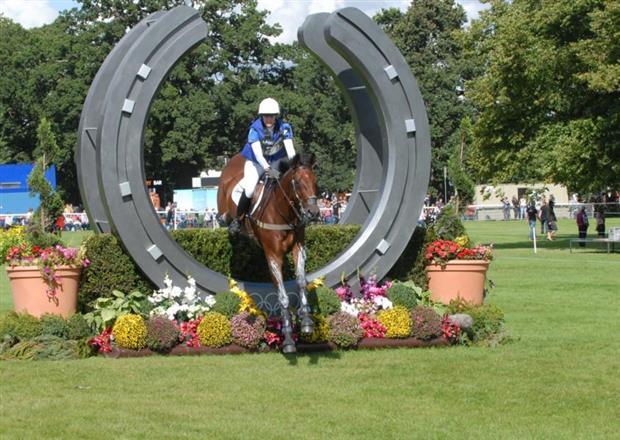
<point>251,173</point>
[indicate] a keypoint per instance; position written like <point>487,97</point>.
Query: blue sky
<point>289,13</point>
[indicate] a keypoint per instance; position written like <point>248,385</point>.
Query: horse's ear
<point>308,159</point>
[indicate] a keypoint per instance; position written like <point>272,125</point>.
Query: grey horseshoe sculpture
<point>388,111</point>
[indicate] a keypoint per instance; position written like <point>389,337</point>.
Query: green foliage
<point>243,259</point>
<point>47,153</point>
<point>410,265</point>
<point>425,323</point>
<point>488,320</point>
<point>54,325</point>
<point>344,330</point>
<point>402,294</point>
<point>7,325</point>
<point>324,301</point>
<point>226,303</point>
<point>107,310</point>
<point>78,327</point>
<point>45,347</point>
<point>546,93</point>
<point>448,225</point>
<point>43,239</point>
<point>161,334</point>
<point>427,35</point>
<point>110,269</point>
<point>214,330</point>
<point>14,236</point>
<point>130,332</point>
<point>26,326</point>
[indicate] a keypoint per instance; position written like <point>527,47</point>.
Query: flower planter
<point>29,290</point>
<point>458,279</point>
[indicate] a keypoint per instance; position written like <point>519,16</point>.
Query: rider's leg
<point>251,174</point>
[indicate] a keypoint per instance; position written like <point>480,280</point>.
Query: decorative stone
<point>463,320</point>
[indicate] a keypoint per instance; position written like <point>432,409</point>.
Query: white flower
<point>167,281</point>
<point>349,308</point>
<point>382,302</point>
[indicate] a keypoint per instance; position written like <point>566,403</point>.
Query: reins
<point>278,226</point>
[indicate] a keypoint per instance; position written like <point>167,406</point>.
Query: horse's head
<point>303,186</point>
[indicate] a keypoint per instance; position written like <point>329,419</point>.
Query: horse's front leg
<point>275,268</point>
<point>304,313</point>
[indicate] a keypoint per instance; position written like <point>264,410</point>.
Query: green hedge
<point>243,259</point>
<point>111,268</point>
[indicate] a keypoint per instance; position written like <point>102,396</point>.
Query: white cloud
<point>29,13</point>
<point>290,14</point>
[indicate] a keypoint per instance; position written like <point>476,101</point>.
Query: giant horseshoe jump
<point>392,136</point>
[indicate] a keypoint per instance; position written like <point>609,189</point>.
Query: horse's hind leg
<point>275,267</point>
<point>304,313</point>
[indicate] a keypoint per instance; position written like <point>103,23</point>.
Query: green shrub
<point>324,301</point>
<point>47,347</point>
<point>54,325</point>
<point>7,324</point>
<point>448,225</point>
<point>243,259</point>
<point>110,269</point>
<point>402,295</point>
<point>78,328</point>
<point>14,236</point>
<point>488,319</point>
<point>26,327</point>
<point>226,303</point>
<point>425,323</point>
<point>161,334</point>
<point>344,330</point>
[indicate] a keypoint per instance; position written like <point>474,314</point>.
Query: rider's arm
<point>287,132</point>
<point>258,152</point>
<point>254,141</point>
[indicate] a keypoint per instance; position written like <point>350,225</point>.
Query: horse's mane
<point>299,160</point>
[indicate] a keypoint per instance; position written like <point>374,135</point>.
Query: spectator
<point>522,208</point>
<point>515,207</point>
<point>552,221</point>
<point>506,208</point>
<point>531,213</point>
<point>599,216</point>
<point>582,225</point>
<point>544,214</point>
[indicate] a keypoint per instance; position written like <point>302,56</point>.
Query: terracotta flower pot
<point>29,290</point>
<point>458,279</point>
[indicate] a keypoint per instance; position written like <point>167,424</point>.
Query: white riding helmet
<point>269,106</point>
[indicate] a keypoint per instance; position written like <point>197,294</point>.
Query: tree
<point>548,104</point>
<point>428,36</point>
<point>47,151</point>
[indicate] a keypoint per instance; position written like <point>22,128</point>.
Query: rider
<point>270,139</point>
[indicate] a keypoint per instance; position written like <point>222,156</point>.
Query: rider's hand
<point>273,173</point>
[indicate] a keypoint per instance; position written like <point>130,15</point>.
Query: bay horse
<point>278,224</point>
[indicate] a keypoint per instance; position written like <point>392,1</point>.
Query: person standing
<point>599,216</point>
<point>515,207</point>
<point>582,225</point>
<point>531,213</point>
<point>506,208</point>
<point>552,221</point>
<point>544,215</point>
<point>522,208</point>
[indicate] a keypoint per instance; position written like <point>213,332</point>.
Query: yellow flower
<point>318,282</point>
<point>247,303</point>
<point>462,240</point>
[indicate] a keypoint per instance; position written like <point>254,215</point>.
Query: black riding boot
<point>242,208</point>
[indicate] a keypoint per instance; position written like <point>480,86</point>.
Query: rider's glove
<point>273,173</point>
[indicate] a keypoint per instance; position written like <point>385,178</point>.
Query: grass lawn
<point>559,378</point>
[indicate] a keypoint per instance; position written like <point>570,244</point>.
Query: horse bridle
<point>302,218</point>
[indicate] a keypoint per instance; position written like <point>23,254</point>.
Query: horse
<point>278,224</point>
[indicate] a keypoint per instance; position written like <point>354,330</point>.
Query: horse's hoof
<point>289,349</point>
